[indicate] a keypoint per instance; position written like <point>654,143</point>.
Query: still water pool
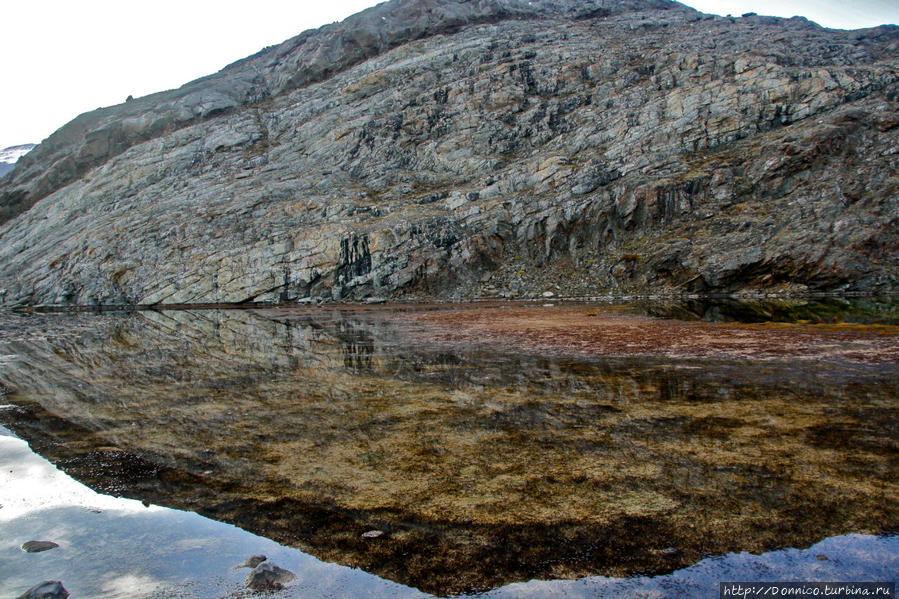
<point>505,450</point>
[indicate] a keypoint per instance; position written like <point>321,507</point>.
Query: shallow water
<point>492,445</point>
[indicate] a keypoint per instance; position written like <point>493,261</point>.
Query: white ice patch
<point>12,155</point>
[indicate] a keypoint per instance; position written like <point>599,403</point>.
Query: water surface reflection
<point>120,549</point>
<point>486,462</point>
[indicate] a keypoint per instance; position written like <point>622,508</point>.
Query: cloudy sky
<point>61,58</point>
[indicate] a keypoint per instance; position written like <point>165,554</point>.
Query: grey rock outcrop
<point>455,149</point>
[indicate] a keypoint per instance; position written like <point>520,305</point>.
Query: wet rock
<point>252,561</point>
<point>49,589</point>
<point>267,576</point>
<point>38,546</point>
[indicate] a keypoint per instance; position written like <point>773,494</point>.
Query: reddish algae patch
<point>580,331</point>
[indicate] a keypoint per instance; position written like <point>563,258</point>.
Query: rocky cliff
<point>493,147</point>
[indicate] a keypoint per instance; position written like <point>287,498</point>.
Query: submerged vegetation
<point>489,445</point>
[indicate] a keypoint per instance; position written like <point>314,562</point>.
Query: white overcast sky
<point>62,57</point>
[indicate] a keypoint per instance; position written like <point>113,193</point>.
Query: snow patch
<point>12,154</point>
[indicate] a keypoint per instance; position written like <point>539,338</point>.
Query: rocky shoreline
<point>416,302</point>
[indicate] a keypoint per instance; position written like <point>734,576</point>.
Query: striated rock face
<point>492,147</point>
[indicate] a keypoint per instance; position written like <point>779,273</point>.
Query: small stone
<point>49,589</point>
<point>670,551</point>
<point>373,534</point>
<point>267,576</point>
<point>252,562</point>
<point>548,294</point>
<point>822,558</point>
<point>38,546</point>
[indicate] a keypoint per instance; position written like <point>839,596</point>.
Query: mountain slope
<point>452,149</point>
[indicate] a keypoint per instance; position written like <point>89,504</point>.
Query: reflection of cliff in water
<point>313,427</point>
<point>862,310</point>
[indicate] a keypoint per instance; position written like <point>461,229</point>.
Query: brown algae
<point>489,444</point>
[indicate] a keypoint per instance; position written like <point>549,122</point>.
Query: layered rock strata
<point>457,149</point>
